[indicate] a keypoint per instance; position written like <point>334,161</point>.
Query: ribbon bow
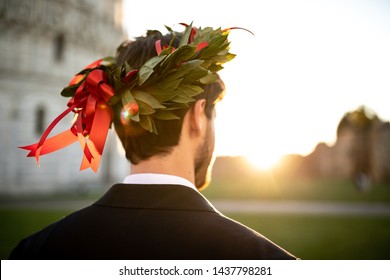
<point>93,120</point>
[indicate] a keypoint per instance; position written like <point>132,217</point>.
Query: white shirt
<point>157,179</point>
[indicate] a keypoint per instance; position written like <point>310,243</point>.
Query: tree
<point>358,124</point>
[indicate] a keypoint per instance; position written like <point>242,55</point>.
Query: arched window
<point>59,47</point>
<point>40,115</point>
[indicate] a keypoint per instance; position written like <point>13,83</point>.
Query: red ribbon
<point>160,48</point>
<point>94,116</point>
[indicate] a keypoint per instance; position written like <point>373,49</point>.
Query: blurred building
<point>361,151</point>
<point>43,44</point>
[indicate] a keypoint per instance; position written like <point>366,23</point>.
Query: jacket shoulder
<point>32,246</point>
<point>242,242</point>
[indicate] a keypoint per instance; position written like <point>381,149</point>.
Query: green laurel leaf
<point>147,123</point>
<point>190,90</point>
<point>69,91</point>
<point>147,98</point>
<point>165,115</point>
<point>145,109</point>
<point>182,70</point>
<point>127,97</point>
<point>195,75</point>
<point>183,98</point>
<point>209,79</point>
<point>148,68</point>
<point>186,36</point>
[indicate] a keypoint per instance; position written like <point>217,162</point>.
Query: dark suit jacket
<point>148,222</point>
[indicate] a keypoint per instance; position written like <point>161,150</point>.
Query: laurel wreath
<point>166,82</point>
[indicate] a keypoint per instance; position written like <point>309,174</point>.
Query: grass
<point>325,237</point>
<point>17,224</point>
<point>268,186</point>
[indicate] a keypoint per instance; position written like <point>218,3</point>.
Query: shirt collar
<point>157,179</point>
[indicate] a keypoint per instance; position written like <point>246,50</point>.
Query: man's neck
<point>171,164</point>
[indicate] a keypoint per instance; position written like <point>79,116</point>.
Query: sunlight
<point>264,161</point>
<point>292,82</point>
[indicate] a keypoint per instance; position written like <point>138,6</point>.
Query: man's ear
<point>198,116</point>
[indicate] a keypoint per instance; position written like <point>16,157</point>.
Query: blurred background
<point>303,135</point>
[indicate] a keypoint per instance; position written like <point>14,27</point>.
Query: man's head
<point>149,90</point>
<point>140,144</point>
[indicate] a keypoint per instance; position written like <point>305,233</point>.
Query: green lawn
<point>307,236</point>
<point>269,186</point>
<point>17,224</point>
<point>325,237</point>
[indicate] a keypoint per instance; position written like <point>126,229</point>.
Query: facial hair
<point>204,160</point>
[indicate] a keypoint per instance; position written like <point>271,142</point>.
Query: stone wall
<point>43,44</point>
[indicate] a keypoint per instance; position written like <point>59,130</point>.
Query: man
<point>158,211</point>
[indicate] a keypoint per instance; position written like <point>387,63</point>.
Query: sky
<point>308,64</point>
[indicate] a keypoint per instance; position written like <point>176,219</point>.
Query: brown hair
<point>138,143</point>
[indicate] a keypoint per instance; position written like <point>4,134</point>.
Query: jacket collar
<point>163,197</point>
<point>157,179</point>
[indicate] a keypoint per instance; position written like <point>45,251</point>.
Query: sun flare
<point>263,162</point>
